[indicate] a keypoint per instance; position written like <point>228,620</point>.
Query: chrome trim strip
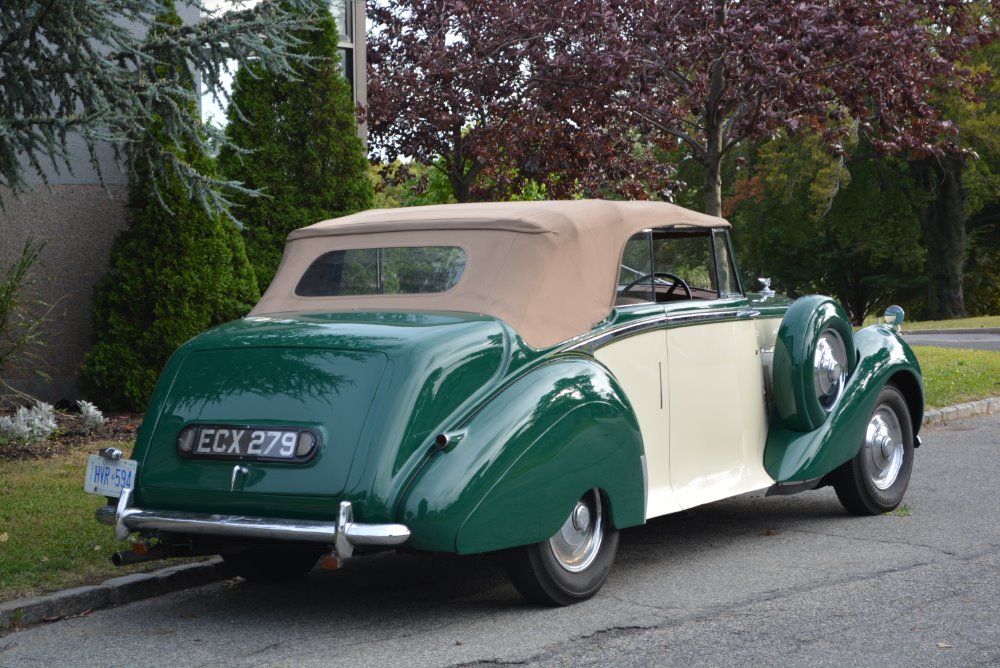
<point>592,342</point>
<point>343,534</point>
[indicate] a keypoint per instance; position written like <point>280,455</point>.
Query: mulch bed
<point>70,436</point>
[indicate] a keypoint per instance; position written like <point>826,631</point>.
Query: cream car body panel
<point>718,412</point>
<point>640,365</point>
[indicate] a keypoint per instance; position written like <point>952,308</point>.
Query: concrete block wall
<point>78,223</point>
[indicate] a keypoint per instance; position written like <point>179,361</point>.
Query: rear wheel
<point>572,565</point>
<point>876,479</point>
<point>271,564</point>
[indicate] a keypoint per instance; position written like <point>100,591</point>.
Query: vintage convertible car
<point>524,377</point>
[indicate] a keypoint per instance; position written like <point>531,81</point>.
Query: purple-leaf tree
<point>712,73</point>
<point>444,79</point>
<point>450,85</point>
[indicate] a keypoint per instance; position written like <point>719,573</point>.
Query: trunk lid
<point>327,391</point>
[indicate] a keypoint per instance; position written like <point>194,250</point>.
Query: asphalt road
<point>984,340</point>
<point>750,581</point>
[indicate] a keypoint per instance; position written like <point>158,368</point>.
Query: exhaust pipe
<point>126,557</point>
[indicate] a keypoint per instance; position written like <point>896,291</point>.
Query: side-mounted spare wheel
<point>813,356</point>
<point>874,481</point>
<point>572,565</point>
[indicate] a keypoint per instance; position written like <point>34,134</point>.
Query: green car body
<point>445,430</point>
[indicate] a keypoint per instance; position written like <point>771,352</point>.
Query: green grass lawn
<point>961,323</point>
<point>49,539</point>
<point>953,376</point>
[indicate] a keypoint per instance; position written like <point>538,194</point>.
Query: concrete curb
<point>129,588</point>
<point>958,411</point>
<point>116,591</point>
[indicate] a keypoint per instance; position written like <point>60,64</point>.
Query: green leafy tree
<point>816,223</point>
<point>172,275</point>
<point>295,140</point>
<point>409,183</point>
<point>980,124</point>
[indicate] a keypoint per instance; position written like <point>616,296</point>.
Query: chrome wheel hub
<point>884,448</point>
<point>829,369</point>
<point>581,517</point>
<point>577,543</point>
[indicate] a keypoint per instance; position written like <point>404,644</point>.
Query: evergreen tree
<point>174,272</point>
<point>80,72</point>
<point>299,146</point>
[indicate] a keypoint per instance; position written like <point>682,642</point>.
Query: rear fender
<point>883,357</point>
<point>525,458</point>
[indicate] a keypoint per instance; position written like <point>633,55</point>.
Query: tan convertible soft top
<point>549,269</point>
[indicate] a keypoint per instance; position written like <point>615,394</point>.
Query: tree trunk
<point>711,161</point>
<point>943,218</point>
<point>712,187</point>
<point>459,187</point>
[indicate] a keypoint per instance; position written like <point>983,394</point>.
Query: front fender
<point>524,460</point>
<point>792,456</point>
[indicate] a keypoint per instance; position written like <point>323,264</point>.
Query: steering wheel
<point>677,280</point>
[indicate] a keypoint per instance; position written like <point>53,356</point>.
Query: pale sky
<point>212,111</point>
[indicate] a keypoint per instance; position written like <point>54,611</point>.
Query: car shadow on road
<point>391,583</point>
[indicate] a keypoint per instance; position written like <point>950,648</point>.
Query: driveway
<point>986,339</point>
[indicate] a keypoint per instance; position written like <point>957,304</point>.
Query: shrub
<point>21,318</point>
<point>29,424</point>
<point>299,147</point>
<point>174,272</point>
<point>90,416</point>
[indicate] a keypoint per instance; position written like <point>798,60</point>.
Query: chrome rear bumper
<point>342,535</point>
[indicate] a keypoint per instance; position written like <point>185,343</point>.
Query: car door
<point>692,371</point>
<point>715,381</point>
<point>718,421</point>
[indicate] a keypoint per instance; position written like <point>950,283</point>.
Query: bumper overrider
<point>342,535</point>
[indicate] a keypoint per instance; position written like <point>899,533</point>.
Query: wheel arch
<point>911,387</point>
<point>524,460</point>
<point>883,358</point>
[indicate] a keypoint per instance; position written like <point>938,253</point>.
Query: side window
<point>688,257</point>
<point>636,260</point>
<point>676,264</point>
<point>729,284</point>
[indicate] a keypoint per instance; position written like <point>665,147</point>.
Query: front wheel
<point>875,480</point>
<point>572,565</point>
